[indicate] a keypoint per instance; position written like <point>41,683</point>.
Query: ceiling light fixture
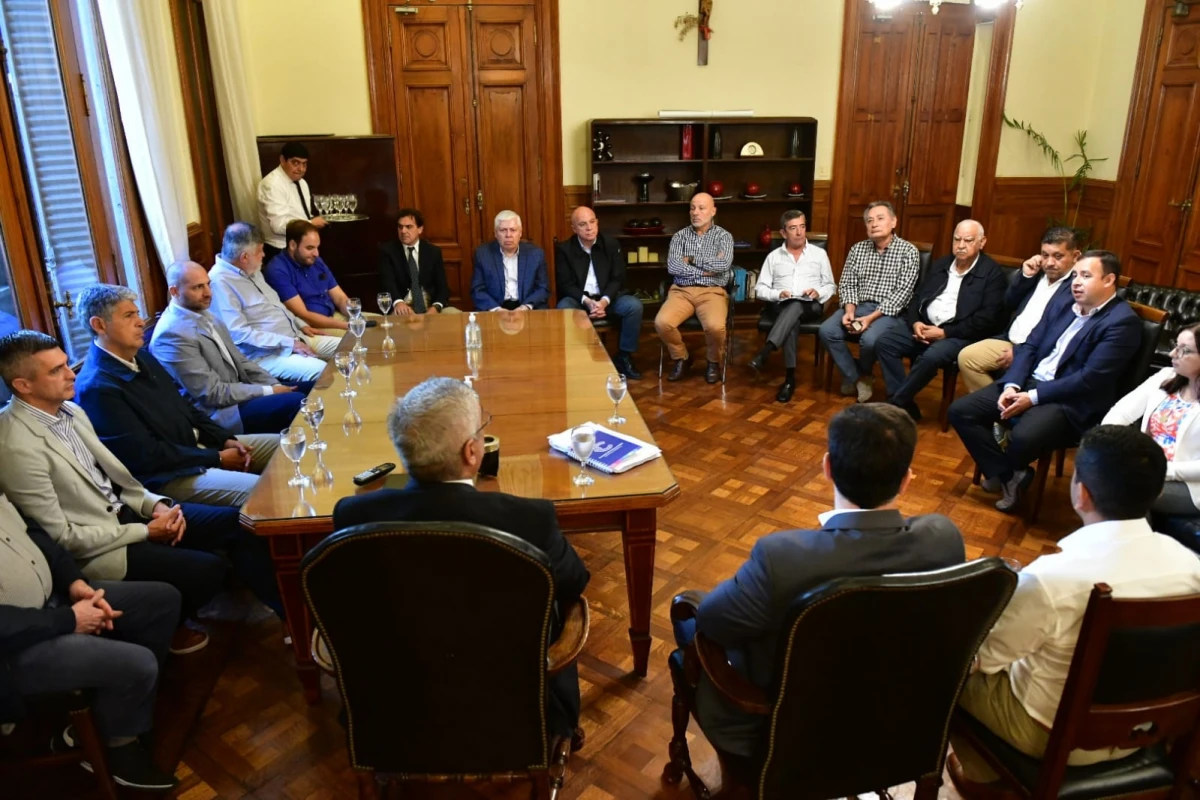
<point>987,5</point>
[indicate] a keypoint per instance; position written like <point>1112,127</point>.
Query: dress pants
<point>1041,429</point>
<point>625,312</point>
<point>709,303</point>
<point>978,362</point>
<point>727,728</point>
<point>834,336</point>
<point>792,313</point>
<point>223,487</point>
<point>899,344</point>
<point>120,665</point>
<point>1175,501</point>
<point>270,413</point>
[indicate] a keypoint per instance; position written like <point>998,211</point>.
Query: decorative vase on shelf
<point>714,151</point>
<point>764,237</point>
<point>643,182</point>
<point>794,149</point>
<point>685,145</point>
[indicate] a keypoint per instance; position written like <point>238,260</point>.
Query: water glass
<point>344,362</point>
<point>313,411</point>
<point>291,442</point>
<point>352,202</point>
<point>354,307</point>
<point>616,393</point>
<point>358,327</point>
<point>583,441</point>
<point>385,306</point>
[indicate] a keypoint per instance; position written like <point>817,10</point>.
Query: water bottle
<point>473,335</point>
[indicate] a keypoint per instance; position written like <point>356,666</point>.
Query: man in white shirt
<point>261,326</point>
<point>1024,662</point>
<point>1039,290</point>
<point>283,196</point>
<point>796,277</point>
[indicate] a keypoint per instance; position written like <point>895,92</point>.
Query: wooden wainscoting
<point>1021,208</point>
<point>200,247</point>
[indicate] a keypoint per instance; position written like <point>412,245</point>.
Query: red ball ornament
<point>716,188</point>
<point>795,188</point>
<point>753,188</point>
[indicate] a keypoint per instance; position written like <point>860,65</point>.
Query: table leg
<point>638,540</point>
<point>287,574</point>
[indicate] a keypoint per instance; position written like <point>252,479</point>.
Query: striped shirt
<point>710,252</point>
<point>62,425</point>
<point>886,278</point>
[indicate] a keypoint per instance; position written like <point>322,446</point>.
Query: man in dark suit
<point>960,300</point>
<point>437,428</point>
<point>870,449</point>
<point>1062,380</point>
<point>400,260</point>
<point>509,273</point>
<point>590,274</point>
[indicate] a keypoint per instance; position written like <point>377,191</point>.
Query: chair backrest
<point>875,666</point>
<point>1011,262</point>
<point>1134,680</point>
<point>820,240</point>
<point>925,253</point>
<point>1139,366</point>
<point>438,633</point>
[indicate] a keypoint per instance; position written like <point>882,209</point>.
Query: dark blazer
<point>487,282</point>
<point>980,311</point>
<point>393,271</point>
<point>532,520</point>
<point>1085,383</point>
<point>144,421</point>
<point>1021,289</point>
<point>571,267</point>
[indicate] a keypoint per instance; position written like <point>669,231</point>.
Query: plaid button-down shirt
<point>711,253</point>
<point>886,278</point>
<point>62,425</point>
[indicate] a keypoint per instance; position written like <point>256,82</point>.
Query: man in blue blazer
<point>870,449</point>
<point>509,273</point>
<point>1062,380</point>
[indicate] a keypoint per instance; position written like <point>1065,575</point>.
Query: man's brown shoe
<point>713,373</point>
<point>972,790</point>
<point>680,369</point>
<point>188,640</point>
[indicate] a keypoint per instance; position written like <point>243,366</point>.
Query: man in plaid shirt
<point>877,283</point>
<point>699,261</point>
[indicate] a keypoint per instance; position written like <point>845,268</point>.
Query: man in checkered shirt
<point>877,283</point>
<point>699,261</point>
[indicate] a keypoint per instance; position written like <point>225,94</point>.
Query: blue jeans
<point>834,337</point>
<point>270,413</point>
<point>625,312</point>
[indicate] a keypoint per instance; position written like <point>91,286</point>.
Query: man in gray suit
<point>870,449</point>
<point>196,348</point>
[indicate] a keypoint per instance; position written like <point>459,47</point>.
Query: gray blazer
<point>44,480</point>
<point>212,384</point>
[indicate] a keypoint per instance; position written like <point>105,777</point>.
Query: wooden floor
<point>746,466</point>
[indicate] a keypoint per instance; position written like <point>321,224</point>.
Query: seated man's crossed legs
<point>710,304</point>
<point>225,487</point>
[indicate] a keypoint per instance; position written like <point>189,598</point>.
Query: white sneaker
<point>866,388</point>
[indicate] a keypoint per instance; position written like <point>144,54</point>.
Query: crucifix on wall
<point>699,21</point>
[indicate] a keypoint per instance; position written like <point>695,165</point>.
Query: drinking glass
<point>319,203</point>
<point>583,441</point>
<point>344,362</point>
<point>358,327</point>
<point>354,307</point>
<point>384,299</point>
<point>352,202</point>
<point>313,410</point>
<point>291,442</point>
<point>341,203</point>
<point>616,393</point>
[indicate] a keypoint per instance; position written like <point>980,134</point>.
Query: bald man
<point>196,348</point>
<point>960,301</point>
<point>589,271</point>
<point>700,263</point>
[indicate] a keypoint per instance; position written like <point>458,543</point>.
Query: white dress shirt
<point>279,204</point>
<point>512,288</point>
<point>591,286</point>
<point>131,364</point>
<point>783,272</point>
<point>1035,637</point>
<point>257,320</point>
<point>1031,315</point>
<point>943,307</point>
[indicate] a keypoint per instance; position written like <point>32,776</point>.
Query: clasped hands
<point>926,334</point>
<point>1013,402</point>
<point>166,524</point>
<point>597,309</point>
<point>93,614</point>
<point>235,456</point>
<point>807,294</point>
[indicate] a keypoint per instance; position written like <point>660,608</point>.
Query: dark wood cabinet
<point>656,147</point>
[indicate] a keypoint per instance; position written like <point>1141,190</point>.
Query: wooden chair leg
<point>1061,463</point>
<point>978,478</point>
<point>661,351</point>
<point>368,787</point>
<point>927,787</point>
<point>558,769</point>
<point>681,758</point>
<point>828,373</point>
<point>1039,487</point>
<point>949,389</point>
<point>93,750</point>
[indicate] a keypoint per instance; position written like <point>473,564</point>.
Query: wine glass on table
<point>384,299</point>
<point>313,411</point>
<point>358,326</point>
<point>344,362</point>
<point>291,442</point>
<point>354,307</point>
<point>616,393</point>
<point>583,442</point>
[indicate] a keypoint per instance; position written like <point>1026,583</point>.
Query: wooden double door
<point>468,103</point>
<point>905,85</point>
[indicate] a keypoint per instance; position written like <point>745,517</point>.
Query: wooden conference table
<point>541,372</point>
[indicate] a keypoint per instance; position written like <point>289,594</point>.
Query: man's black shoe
<point>130,765</point>
<point>785,392</point>
<point>713,373</point>
<point>759,362</point>
<point>910,408</point>
<point>680,369</point>
<point>625,366</point>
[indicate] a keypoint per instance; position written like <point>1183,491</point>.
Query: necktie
<point>303,204</point>
<point>414,278</point>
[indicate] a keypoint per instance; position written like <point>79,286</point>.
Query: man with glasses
<point>437,429</point>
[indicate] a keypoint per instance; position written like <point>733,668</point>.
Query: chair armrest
<point>570,641</point>
<point>684,605</point>
<point>728,681</point>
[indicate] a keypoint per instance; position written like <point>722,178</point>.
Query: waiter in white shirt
<point>283,196</point>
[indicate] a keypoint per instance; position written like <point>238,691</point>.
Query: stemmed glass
<point>320,203</point>
<point>291,442</point>
<point>344,362</point>
<point>385,305</point>
<point>352,202</point>
<point>354,307</point>
<point>313,410</point>
<point>583,441</point>
<point>341,203</point>
<point>358,327</point>
<point>616,393</point>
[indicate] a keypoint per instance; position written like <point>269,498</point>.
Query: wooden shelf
<point>611,204</point>
<point>638,162</point>
<point>760,160</point>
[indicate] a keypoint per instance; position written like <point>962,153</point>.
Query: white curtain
<point>233,106</point>
<point>143,68</point>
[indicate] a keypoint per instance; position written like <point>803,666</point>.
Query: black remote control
<point>363,478</point>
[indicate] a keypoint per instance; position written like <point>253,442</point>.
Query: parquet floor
<point>746,465</point>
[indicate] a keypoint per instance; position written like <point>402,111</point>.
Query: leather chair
<point>692,325</point>
<point>1185,530</point>
<point>841,720</point>
<point>1134,682</point>
<point>454,686</point>
<point>77,706</point>
<point>1184,308</point>
<point>770,311</point>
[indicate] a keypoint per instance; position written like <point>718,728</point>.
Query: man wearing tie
<point>411,262</point>
<point>283,196</point>
<point>509,273</point>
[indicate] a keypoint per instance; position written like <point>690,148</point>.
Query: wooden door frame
<point>382,90</point>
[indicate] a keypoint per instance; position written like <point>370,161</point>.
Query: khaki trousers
<point>709,303</point>
<point>989,699</point>
<point>977,362</point>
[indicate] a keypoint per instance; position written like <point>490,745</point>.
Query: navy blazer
<point>1085,383</point>
<point>980,309</point>
<point>487,282</point>
<point>144,420</point>
<point>1021,289</point>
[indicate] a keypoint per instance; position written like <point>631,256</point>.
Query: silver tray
<point>343,217</point>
